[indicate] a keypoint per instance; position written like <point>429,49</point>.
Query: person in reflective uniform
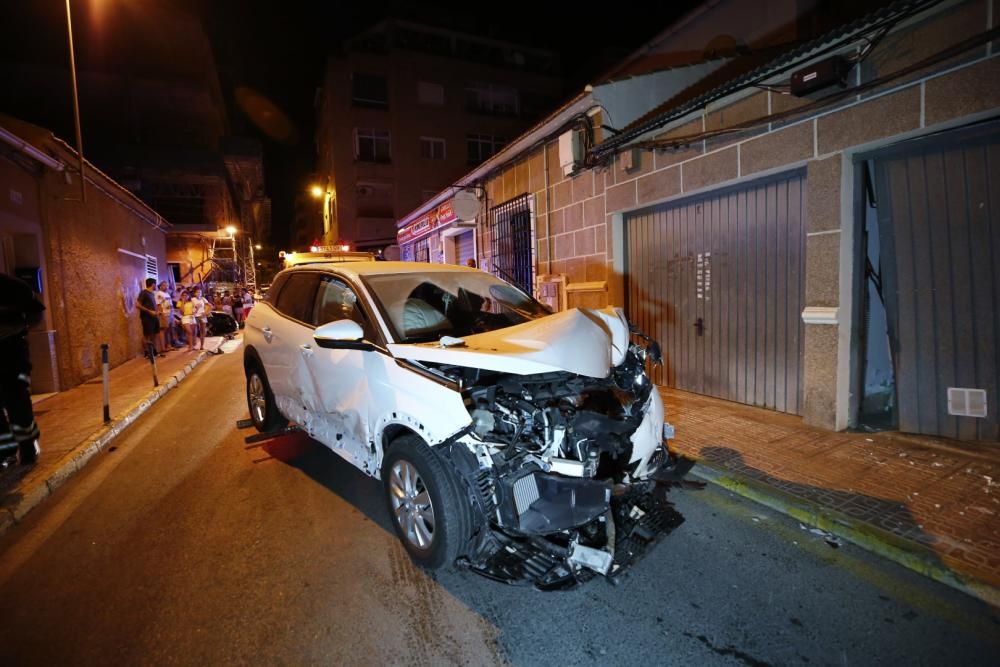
<point>19,310</point>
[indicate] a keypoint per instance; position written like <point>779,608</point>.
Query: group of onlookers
<point>179,318</point>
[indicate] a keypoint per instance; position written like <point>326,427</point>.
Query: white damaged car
<point>520,443</point>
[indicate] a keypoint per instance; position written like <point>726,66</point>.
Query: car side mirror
<point>341,335</point>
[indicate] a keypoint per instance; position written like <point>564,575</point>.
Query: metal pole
<point>107,386</point>
<point>76,105</point>
<point>152,361</point>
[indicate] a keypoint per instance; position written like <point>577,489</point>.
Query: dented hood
<point>582,341</point>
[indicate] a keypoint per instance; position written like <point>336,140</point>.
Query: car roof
<point>355,269</point>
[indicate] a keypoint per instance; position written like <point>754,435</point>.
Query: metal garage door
<point>464,247</point>
<point>938,200</point>
<point>718,279</point>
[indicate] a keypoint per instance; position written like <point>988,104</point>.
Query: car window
<point>296,297</point>
<point>336,301</point>
<point>275,289</point>
<point>426,305</point>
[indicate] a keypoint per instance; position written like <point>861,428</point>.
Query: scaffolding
<point>249,267</point>
<point>224,256</point>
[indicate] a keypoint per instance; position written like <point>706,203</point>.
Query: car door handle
<point>268,334</point>
<point>307,350</point>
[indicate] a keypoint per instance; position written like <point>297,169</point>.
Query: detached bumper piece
<point>641,517</point>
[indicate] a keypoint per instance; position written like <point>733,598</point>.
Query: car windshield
<point>425,306</point>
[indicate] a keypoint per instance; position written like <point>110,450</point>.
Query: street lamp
<point>317,191</point>
<point>231,230</point>
<point>258,247</point>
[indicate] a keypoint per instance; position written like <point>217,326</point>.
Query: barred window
<point>422,250</point>
<point>511,243</point>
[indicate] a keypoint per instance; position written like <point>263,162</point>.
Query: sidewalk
<point>73,429</point>
<point>931,504</point>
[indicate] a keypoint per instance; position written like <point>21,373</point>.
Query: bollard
<point>107,386</point>
<point>151,351</point>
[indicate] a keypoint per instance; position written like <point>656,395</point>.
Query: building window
<point>422,250</point>
<point>370,91</point>
<point>481,147</point>
<point>430,93</point>
<point>175,271</point>
<point>372,145</point>
<point>512,244</point>
<point>432,148</point>
<point>492,99</point>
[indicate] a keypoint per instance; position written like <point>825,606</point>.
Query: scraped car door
<point>287,331</point>
<point>338,378</point>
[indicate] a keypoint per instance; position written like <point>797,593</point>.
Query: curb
<point>74,461</point>
<point>910,555</point>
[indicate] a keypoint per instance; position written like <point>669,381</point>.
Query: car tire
<point>440,541</point>
<point>260,401</point>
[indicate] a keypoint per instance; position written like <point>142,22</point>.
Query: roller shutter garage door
<point>719,280</point>
<point>938,200</point>
<point>465,247</point>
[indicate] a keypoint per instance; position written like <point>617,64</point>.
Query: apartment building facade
<point>404,109</point>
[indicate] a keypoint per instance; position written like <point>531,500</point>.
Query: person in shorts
<point>164,308</point>
<point>200,308</point>
<point>148,316</point>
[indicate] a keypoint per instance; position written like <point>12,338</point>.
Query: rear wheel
<point>429,510</point>
<point>260,401</point>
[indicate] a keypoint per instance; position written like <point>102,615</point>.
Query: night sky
<point>277,50</point>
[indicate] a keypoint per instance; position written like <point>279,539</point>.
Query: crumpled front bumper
<point>641,517</point>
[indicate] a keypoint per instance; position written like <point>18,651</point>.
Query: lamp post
<point>76,104</point>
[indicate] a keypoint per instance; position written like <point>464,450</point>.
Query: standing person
<point>247,304</point>
<point>238,307</point>
<point>164,306</point>
<point>178,319</point>
<point>215,302</point>
<point>199,311</point>
<point>19,309</point>
<point>227,303</point>
<point>187,318</point>
<point>148,316</point>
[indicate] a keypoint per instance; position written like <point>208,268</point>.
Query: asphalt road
<point>184,545</point>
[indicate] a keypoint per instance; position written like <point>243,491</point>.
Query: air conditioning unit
<point>570,151</point>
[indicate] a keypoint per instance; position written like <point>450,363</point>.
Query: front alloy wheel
<point>411,504</point>
<point>426,498</point>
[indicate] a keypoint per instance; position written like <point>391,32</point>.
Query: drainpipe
<point>548,211</point>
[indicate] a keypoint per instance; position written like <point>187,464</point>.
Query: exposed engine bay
<point>560,469</point>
